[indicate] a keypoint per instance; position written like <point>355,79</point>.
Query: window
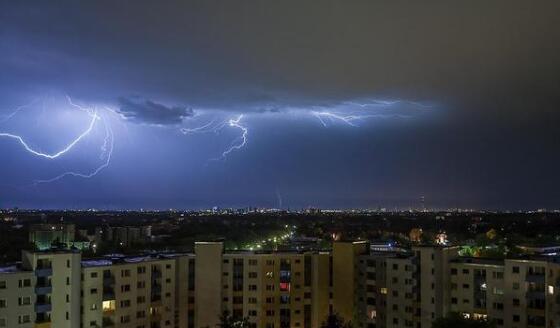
<point>498,275</point>
<point>24,319</point>
<point>453,271</point>
<point>3,304</point>
<point>125,273</point>
<point>498,306</point>
<point>125,303</point>
<point>125,319</point>
<point>125,288</point>
<point>516,318</point>
<point>3,322</point>
<point>515,269</point>
<point>141,269</point>
<point>253,262</point>
<point>252,275</point>
<point>108,305</point>
<point>465,271</point>
<point>25,283</point>
<point>93,275</point>
<point>3,284</point>
<point>93,291</point>
<point>498,291</point>
<point>515,285</point>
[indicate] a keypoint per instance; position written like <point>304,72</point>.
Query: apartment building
<point>271,289</point>
<point>370,286</point>
<point>42,291</point>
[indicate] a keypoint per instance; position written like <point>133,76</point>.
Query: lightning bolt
<point>216,127</point>
<point>106,148</point>
<point>106,153</point>
<point>16,111</point>
<point>201,129</point>
<point>240,141</point>
<point>348,119</point>
<point>94,118</point>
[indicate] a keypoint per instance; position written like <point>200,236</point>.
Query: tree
<point>456,320</point>
<point>333,320</point>
<point>230,321</point>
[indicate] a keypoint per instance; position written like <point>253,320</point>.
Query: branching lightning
<point>361,110</point>
<point>91,113</point>
<point>106,154</point>
<point>240,141</point>
<point>106,148</point>
<point>347,119</point>
<point>216,127</point>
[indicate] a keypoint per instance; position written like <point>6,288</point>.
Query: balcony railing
<point>43,290</point>
<point>43,272</point>
<point>535,277</point>
<point>43,307</point>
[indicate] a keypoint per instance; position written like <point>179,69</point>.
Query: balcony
<point>43,290</point>
<point>44,324</point>
<point>43,272</point>
<point>43,307</point>
<point>108,280</point>
<point>156,289</point>
<point>535,294</point>
<point>108,322</point>
<point>108,294</point>
<point>535,277</point>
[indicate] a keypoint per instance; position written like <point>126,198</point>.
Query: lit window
<point>109,305</point>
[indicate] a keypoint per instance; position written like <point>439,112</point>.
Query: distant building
<point>123,236</point>
<point>44,235</point>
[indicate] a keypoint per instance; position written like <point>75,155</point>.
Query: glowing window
<point>109,305</point>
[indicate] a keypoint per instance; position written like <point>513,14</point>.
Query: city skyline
<point>191,105</point>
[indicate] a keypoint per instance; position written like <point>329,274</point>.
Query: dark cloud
<point>149,112</point>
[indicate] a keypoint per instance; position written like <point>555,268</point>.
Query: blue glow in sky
<point>194,104</point>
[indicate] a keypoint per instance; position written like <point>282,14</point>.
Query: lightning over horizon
<point>106,148</point>
<point>94,117</point>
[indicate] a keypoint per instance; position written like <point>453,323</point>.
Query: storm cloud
<point>150,112</point>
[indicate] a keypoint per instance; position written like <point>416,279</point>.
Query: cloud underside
<point>150,112</point>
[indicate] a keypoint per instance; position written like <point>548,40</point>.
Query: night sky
<point>332,104</point>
